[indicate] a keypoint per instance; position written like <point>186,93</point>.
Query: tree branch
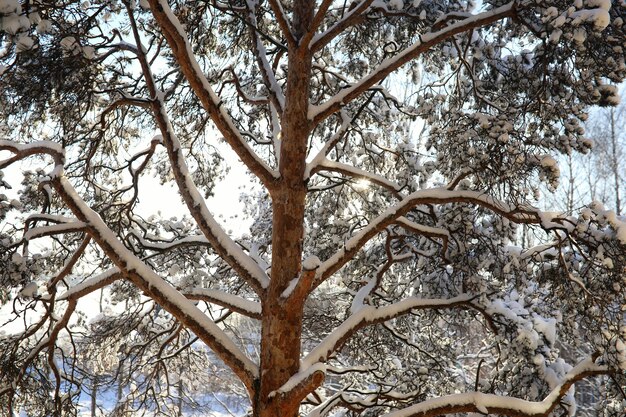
<point>277,96</point>
<point>157,288</point>
<point>279,13</point>
<point>368,315</point>
<point>499,404</point>
<point>220,241</point>
<point>353,17</point>
<point>177,39</point>
<point>427,41</point>
<point>232,302</point>
<point>428,196</point>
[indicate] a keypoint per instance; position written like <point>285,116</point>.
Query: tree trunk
<point>94,394</point>
<point>282,319</point>
<point>615,164</point>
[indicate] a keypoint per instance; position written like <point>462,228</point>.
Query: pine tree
<point>383,273</point>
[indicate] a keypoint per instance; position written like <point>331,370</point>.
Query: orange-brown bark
<point>282,321</point>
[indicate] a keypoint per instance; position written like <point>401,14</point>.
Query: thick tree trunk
<point>282,319</point>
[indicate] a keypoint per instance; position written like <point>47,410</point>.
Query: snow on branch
<point>356,173</point>
<point>165,245</point>
<point>428,40</point>
<point>278,98</point>
<point>92,284</point>
<point>55,229</point>
<point>346,121</point>
<point>424,230</point>
<point>367,315</point>
<point>281,18</point>
<point>526,215</point>
<point>183,52</point>
<point>499,404</point>
<point>220,241</point>
<point>353,16</point>
<point>157,288</point>
<point>302,383</point>
<point>22,151</point>
<point>230,301</point>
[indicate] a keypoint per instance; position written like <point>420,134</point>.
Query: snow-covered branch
<point>499,404</point>
<point>368,315</point>
<point>92,284</point>
<point>232,302</point>
<point>278,98</point>
<point>166,245</point>
<point>389,65</point>
<point>177,39</point>
<point>356,173</point>
<point>330,143</point>
<point>351,18</point>
<point>220,241</point>
<point>55,229</point>
<point>22,151</point>
<point>281,18</point>
<point>525,215</point>
<point>157,288</point>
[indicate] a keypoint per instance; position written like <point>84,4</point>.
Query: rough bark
<point>282,320</point>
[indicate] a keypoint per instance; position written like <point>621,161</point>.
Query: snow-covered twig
<point>177,38</point>
<point>357,173</point>
<point>232,302</point>
<point>157,288</point>
<point>499,404</point>
<point>387,66</point>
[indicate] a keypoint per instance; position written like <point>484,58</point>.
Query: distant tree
<point>606,128</point>
<point>380,275</point>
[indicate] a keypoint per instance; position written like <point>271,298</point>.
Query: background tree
<point>379,276</point>
<point>606,128</point>
<point>597,175</point>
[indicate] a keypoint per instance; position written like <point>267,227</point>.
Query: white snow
<point>30,290</point>
<point>292,286</point>
<point>488,402</point>
<point>311,263</point>
<point>358,173</point>
<point>89,285</point>
<point>126,260</point>
<point>546,326</point>
<point>369,314</point>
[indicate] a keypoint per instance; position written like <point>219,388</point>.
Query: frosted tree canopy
<point>400,260</point>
